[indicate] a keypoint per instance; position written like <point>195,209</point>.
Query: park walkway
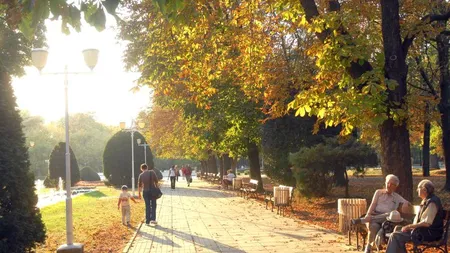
<point>201,218</point>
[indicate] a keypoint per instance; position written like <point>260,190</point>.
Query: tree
<point>88,139</point>
<point>88,174</point>
<point>392,74</point>
<point>57,165</point>
<point>117,158</point>
<point>36,131</point>
<point>284,135</point>
<point>21,227</point>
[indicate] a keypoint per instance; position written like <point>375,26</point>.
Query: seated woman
<point>429,219</point>
<point>228,179</point>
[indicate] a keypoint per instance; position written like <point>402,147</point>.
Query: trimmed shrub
<point>288,134</point>
<point>311,170</point>
<point>57,165</point>
<point>117,159</point>
<point>88,174</point>
<point>316,169</point>
<point>21,226</point>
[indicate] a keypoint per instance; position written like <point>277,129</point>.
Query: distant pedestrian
<point>177,172</point>
<point>124,201</point>
<point>188,174</point>
<point>172,177</point>
<point>148,181</point>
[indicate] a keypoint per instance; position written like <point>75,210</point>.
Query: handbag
<point>155,193</point>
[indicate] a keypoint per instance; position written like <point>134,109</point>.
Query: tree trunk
<point>202,167</point>
<point>226,163</point>
<point>212,163</point>
<point>347,195</point>
<point>426,148</point>
<point>234,165</point>
<point>394,136</point>
<point>253,158</point>
<point>339,176</point>
<point>444,106</point>
<point>221,166</point>
<point>395,153</point>
<point>434,162</point>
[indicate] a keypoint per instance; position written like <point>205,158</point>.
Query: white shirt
<point>230,177</point>
<point>428,215</point>
<point>125,198</point>
<point>172,173</point>
<point>385,202</point>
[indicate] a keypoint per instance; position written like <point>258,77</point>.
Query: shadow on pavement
<point>204,242</point>
<point>195,192</point>
<point>165,241</point>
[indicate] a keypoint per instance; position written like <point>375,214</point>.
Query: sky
<point>104,91</point>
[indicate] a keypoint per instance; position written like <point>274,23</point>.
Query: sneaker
<point>154,222</point>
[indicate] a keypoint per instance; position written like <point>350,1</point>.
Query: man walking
<point>147,181</point>
<point>188,174</point>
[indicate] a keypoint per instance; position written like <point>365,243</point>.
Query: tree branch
<point>309,6</point>
<point>428,19</point>
<point>425,78</point>
<point>419,88</point>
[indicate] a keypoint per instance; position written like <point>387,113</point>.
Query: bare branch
<point>419,88</point>
<point>425,78</point>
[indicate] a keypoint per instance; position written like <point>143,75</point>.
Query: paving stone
<point>201,218</point>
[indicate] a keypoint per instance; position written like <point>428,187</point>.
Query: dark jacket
<point>433,232</point>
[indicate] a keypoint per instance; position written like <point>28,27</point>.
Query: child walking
<point>124,201</point>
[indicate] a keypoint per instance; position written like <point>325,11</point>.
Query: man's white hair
<point>392,178</point>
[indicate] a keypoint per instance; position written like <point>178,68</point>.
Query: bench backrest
<point>446,225</point>
<point>291,191</point>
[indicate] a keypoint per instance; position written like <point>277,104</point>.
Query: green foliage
<point>21,227</point>
<point>87,138</point>
<point>311,169</point>
<point>35,131</point>
<point>165,164</point>
<point>117,158</point>
<point>317,167</point>
<point>88,174</point>
<point>285,135</point>
<point>57,165</point>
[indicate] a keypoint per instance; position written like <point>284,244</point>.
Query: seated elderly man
<point>383,202</point>
<point>429,220</point>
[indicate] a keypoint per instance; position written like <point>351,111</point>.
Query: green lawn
<point>96,220</point>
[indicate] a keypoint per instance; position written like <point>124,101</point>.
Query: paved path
<point>203,219</point>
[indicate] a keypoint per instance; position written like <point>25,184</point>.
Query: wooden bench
<point>250,188</point>
<point>361,232</point>
<point>419,245</point>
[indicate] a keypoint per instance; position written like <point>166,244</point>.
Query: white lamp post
<point>132,129</point>
<point>39,59</point>
<point>145,145</point>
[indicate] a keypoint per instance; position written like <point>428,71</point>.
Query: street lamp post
<point>145,145</point>
<point>39,59</point>
<point>131,130</point>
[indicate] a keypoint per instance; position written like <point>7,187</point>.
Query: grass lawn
<point>96,220</point>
